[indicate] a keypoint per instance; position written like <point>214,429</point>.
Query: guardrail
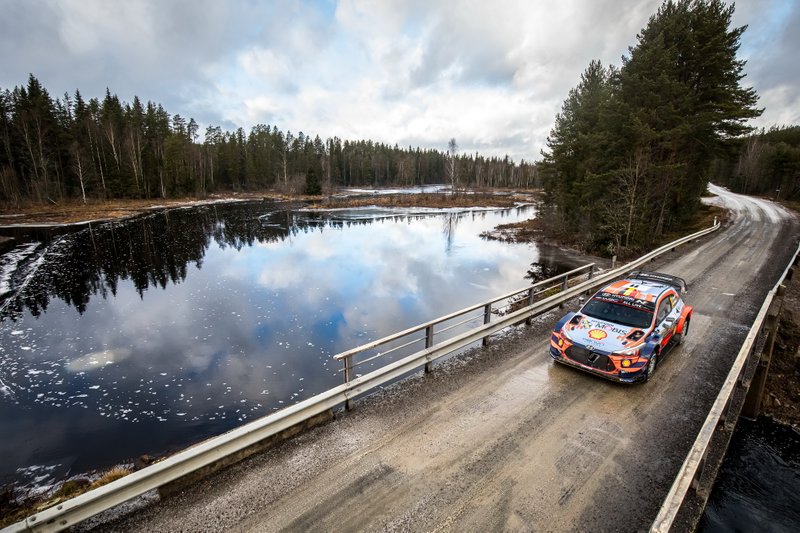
<point>487,309</point>
<point>720,415</point>
<point>70,512</point>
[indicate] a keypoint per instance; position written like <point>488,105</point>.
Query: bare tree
<point>632,185</point>
<point>749,167</point>
<point>452,151</point>
<point>76,152</point>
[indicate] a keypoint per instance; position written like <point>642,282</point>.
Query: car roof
<point>637,293</point>
<point>638,289</point>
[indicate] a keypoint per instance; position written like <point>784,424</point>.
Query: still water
<point>758,485</point>
<point>145,336</point>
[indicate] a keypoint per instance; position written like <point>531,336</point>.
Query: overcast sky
<point>492,74</point>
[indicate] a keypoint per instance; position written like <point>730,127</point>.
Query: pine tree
<point>576,158</point>
<point>313,187</point>
<point>632,149</point>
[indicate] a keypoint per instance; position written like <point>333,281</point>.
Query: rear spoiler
<point>674,281</point>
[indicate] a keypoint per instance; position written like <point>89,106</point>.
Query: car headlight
<point>630,352</point>
<point>628,356</point>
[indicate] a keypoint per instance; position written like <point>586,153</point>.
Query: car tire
<point>684,332</point>
<point>651,366</point>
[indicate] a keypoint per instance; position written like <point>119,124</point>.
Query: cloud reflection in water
<point>195,321</point>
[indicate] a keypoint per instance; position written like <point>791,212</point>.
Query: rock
<point>143,461</point>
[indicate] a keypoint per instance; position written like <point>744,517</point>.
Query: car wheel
<point>684,332</point>
<point>651,366</point>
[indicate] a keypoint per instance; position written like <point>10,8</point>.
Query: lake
<point>147,335</point>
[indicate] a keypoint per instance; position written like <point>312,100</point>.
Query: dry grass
<point>71,211</point>
<point>112,475</point>
<point>12,511</point>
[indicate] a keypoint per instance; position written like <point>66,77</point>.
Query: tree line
<point>633,147</point>
<point>766,162</point>
<point>70,147</point>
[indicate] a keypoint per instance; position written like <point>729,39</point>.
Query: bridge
<point>501,439</point>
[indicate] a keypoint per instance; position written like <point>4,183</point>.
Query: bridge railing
<point>723,413</point>
<point>440,329</point>
<point>232,443</point>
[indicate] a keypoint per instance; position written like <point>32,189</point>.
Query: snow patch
<point>10,262</point>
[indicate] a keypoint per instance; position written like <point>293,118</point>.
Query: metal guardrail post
<point>725,418</point>
<point>564,286</point>
<point>755,394</point>
<point>698,474</point>
<point>348,371</point>
<point>428,344</point>
<point>531,295</point>
<point>590,276</point>
<point>487,317</point>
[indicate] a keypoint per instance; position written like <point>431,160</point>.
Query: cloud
<point>492,75</point>
<point>769,45</point>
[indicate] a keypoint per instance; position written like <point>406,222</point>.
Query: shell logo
<point>597,334</point>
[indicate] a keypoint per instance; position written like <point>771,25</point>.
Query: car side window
<point>665,308</point>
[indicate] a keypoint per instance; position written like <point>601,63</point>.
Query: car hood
<point>602,335</point>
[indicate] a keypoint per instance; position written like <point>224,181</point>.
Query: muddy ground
<point>75,212</point>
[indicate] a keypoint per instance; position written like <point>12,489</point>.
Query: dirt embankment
<point>75,211</point>
<point>782,398</point>
<point>432,200</point>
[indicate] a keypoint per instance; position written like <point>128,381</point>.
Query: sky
<point>492,75</point>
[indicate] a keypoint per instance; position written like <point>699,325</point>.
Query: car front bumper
<point>619,376</point>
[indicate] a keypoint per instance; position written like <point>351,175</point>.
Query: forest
<point>68,147</point>
<point>766,162</point>
<point>633,147</point>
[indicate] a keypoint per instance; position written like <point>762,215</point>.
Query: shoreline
<point>73,213</point>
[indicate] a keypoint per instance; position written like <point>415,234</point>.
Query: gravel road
<point>501,439</point>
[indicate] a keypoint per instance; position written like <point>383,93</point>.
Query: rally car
<point>625,328</point>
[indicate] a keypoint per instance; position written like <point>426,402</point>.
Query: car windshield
<point>618,313</point>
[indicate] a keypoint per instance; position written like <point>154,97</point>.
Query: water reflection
<point>148,335</point>
<point>157,250</point>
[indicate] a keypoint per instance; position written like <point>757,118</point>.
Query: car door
<point>665,319</point>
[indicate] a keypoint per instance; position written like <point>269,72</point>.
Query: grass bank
<point>431,200</point>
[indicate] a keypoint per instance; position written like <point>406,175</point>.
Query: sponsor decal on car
<point>626,300</point>
<point>597,334</point>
